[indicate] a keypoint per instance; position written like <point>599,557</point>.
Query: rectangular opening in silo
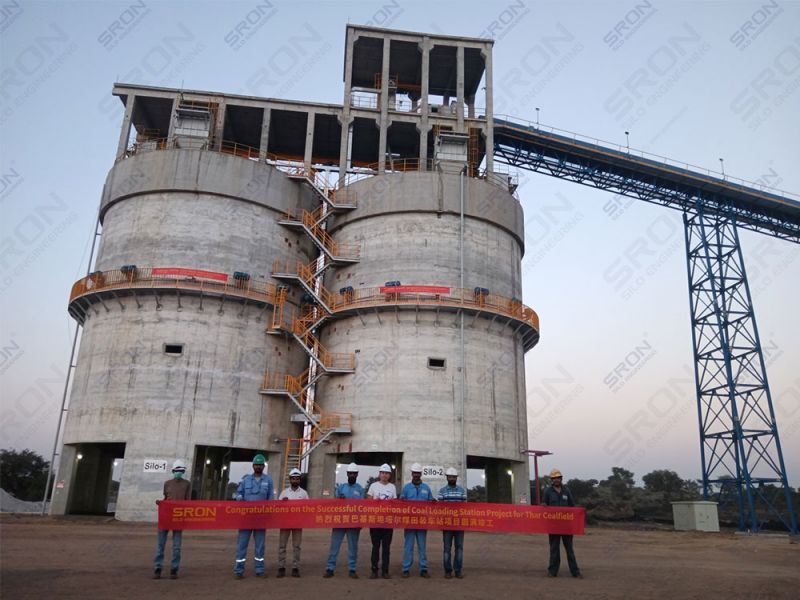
<point>436,363</point>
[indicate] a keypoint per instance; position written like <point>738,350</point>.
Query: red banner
<point>415,289</point>
<point>190,273</point>
<point>394,514</point>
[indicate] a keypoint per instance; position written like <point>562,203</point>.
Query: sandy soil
<point>102,558</point>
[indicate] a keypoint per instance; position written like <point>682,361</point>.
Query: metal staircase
<point>301,325</point>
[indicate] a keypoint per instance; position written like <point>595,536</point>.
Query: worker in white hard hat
<point>293,492</point>
<point>176,488</point>
<point>381,536</point>
<point>416,491</point>
<point>452,492</point>
<point>351,490</point>
<point>557,494</point>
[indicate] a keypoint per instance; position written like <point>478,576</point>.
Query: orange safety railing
<point>336,421</point>
<point>312,223</point>
<point>305,272</point>
<point>329,360</point>
<point>402,165</point>
<point>237,149</point>
<point>466,298</point>
<point>143,278</point>
<point>292,457</point>
<point>294,385</point>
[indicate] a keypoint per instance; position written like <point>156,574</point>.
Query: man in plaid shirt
<point>452,493</point>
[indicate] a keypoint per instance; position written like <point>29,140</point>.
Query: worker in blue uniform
<point>346,491</point>
<point>416,491</point>
<point>253,487</point>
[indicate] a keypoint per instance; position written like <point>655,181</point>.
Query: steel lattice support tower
<point>740,446</point>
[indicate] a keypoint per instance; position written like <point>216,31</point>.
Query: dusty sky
<point>694,81</point>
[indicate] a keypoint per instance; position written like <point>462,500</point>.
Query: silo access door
<point>96,479</point>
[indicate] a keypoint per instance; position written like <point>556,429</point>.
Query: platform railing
<point>455,297</point>
<point>144,278</point>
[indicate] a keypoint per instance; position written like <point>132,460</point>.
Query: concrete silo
<point>173,347</point>
<point>323,283</point>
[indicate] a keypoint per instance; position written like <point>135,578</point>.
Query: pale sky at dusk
<point>694,81</point>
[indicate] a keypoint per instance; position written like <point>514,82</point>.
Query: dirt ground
<point>102,558</point>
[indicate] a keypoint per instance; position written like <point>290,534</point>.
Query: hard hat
<point>259,459</point>
<point>295,473</point>
<point>451,471</point>
<point>555,473</point>
<point>416,468</point>
<point>352,468</point>
<point>179,465</point>
<point>384,468</point>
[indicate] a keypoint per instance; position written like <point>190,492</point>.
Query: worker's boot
<point>173,574</point>
<point>295,572</point>
<point>157,574</point>
<point>281,572</point>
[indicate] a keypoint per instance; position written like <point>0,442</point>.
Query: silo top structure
<point>420,84</point>
<point>319,283</point>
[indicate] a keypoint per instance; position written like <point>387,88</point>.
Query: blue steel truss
<point>741,453</point>
<point>739,442</point>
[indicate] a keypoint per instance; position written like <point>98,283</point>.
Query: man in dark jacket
<point>176,488</point>
<point>558,495</point>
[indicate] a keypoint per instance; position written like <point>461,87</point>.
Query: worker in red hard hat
<point>558,495</point>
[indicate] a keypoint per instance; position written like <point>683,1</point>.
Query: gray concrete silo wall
<point>193,209</point>
<point>408,226</point>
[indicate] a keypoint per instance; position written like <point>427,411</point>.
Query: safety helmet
<point>384,468</point>
<point>295,473</point>
<point>555,473</point>
<point>179,465</point>
<point>352,468</point>
<point>451,471</point>
<point>259,459</point>
<point>416,468</point>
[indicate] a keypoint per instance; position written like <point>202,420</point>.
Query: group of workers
<point>258,485</point>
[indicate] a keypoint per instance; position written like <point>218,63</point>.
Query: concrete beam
<point>309,149</point>
<point>264,143</point>
<point>487,57</point>
<point>460,88</point>
<point>125,133</point>
<point>383,123</point>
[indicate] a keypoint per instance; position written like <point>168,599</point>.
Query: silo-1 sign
<point>154,465</point>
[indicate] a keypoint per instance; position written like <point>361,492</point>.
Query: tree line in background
<point>23,474</point>
<point>615,498</point>
<point>618,498</point>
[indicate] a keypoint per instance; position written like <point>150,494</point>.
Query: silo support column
<point>507,482</point>
<point>275,470</point>
<point>66,473</point>
<point>321,475</point>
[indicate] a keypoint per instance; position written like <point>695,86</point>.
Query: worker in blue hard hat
<point>253,486</point>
